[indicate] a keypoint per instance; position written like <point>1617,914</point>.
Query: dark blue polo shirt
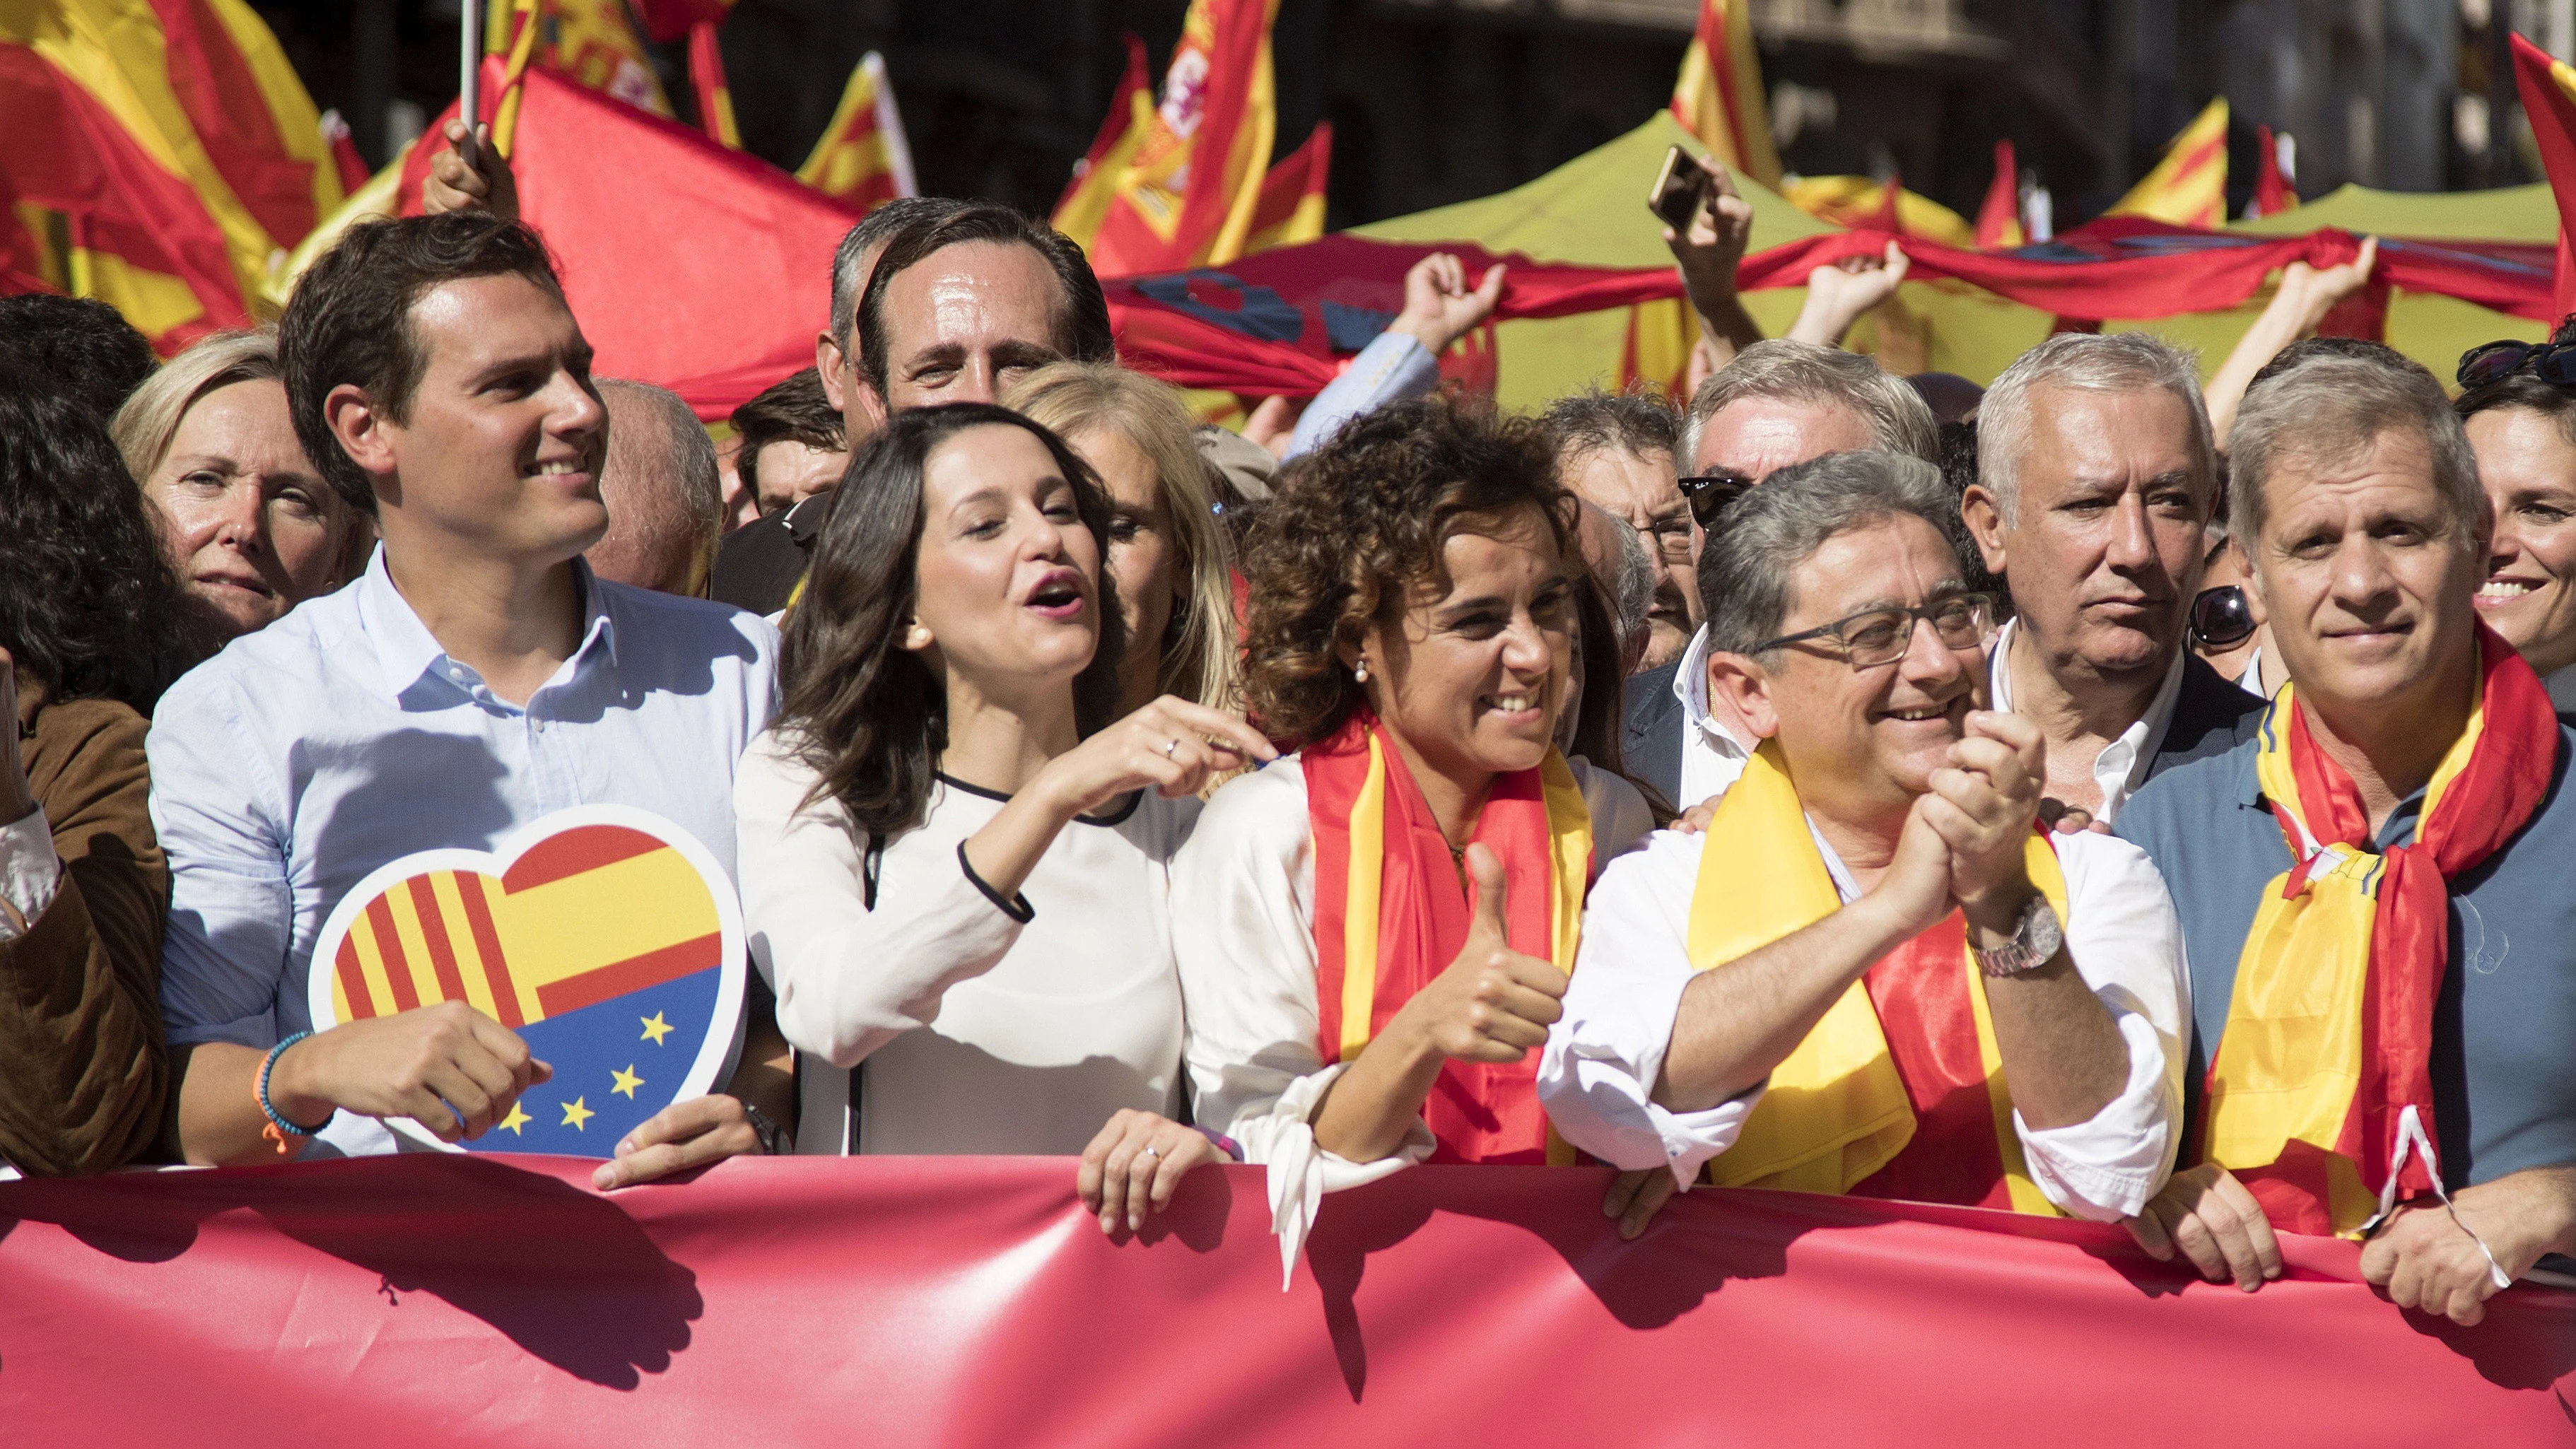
<point>2504,1027</point>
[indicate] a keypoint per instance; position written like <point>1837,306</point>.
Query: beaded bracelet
<point>278,1128</point>
<point>1224,1144</point>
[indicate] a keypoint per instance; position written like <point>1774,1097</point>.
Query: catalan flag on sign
<point>605,946</point>
<point>2188,186</point>
<point>1719,96</point>
<point>862,157</point>
<point>1190,183</point>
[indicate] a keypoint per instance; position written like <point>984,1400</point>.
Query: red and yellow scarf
<point>1899,1090</point>
<point>2329,1035</point>
<point>1391,914</point>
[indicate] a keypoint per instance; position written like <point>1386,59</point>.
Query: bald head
<point>665,499</point>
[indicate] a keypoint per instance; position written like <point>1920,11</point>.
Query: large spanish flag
<point>1187,194</point>
<point>2548,90</point>
<point>862,158</point>
<point>1718,94</point>
<point>2188,186</point>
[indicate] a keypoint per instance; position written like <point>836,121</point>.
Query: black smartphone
<point>1679,188</point>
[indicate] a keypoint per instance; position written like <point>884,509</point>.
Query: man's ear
<point>2253,581</point>
<point>363,430</point>
<point>1744,687</point>
<point>828,361</point>
<point>1978,509</point>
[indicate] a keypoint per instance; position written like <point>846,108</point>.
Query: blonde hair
<point>1073,398</point>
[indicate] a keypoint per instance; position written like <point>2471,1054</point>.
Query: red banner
<point>440,1300</point>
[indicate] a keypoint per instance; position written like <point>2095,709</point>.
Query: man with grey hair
<point>1783,999</point>
<point>665,499</point>
<point>2096,481</point>
<point>1778,403</point>
<point>854,261</point>
<point>1617,450</point>
<point>2373,884</point>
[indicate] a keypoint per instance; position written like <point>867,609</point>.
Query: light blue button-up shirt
<point>342,737</point>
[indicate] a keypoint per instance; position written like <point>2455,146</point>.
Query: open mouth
<point>1508,704</point>
<point>2503,591</point>
<point>1924,713</point>
<point>1058,596</point>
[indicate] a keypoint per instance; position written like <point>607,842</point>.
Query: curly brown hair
<point>1358,524</point>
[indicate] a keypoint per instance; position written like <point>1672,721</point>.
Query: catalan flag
<point>1999,218</point>
<point>1291,209</point>
<point>601,944</point>
<point>1188,191</point>
<point>862,158</point>
<point>2188,186</point>
<point>707,81</point>
<point>2548,89</point>
<point>1718,94</point>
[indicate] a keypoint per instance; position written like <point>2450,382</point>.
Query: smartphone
<point>1679,188</point>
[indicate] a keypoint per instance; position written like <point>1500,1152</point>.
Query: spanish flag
<point>862,158</point>
<point>1718,94</point>
<point>1999,218</point>
<point>707,80</point>
<point>2548,90</point>
<point>590,41</point>
<point>669,20</point>
<point>1085,203</point>
<point>1292,195</point>
<point>2188,186</point>
<point>1187,194</point>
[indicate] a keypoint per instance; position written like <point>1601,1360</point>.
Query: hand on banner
<point>454,186</point>
<point>1635,1198</point>
<point>2424,1258</point>
<point>1134,1165</point>
<point>1439,306</point>
<point>448,1067</point>
<point>677,1138</point>
<point>1837,295</point>
<point>2206,1214</point>
<point>1493,1004</point>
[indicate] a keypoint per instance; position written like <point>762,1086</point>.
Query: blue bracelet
<point>277,1121</point>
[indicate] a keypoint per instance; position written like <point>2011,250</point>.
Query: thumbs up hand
<point>1493,1003</point>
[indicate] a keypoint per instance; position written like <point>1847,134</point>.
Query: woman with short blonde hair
<point>246,520</point>
<point>1165,549</point>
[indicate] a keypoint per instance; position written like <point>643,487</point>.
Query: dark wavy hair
<point>88,607</point>
<point>350,319</point>
<point>860,710</point>
<point>1360,522</point>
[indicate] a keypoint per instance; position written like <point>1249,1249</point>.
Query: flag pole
<point>469,85</point>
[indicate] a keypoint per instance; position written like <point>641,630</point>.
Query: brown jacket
<point>82,1072</point>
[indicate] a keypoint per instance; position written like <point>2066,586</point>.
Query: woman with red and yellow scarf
<point>1374,933</point>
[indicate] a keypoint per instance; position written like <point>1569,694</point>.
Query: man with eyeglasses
<point>1869,974</point>
<point>2096,480</point>
<point>1779,402</point>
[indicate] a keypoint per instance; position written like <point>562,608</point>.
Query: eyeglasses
<point>1711,494</point>
<point>1881,636</point>
<point>2552,362</point>
<point>2221,618</point>
<point>1670,537</point>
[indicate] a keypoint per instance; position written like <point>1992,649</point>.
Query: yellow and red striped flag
<point>1718,94</point>
<point>2548,91</point>
<point>707,80</point>
<point>1857,202</point>
<point>592,41</point>
<point>252,113</point>
<point>862,157</point>
<point>1191,184</point>
<point>1999,217</point>
<point>1291,209</point>
<point>2276,185</point>
<point>1085,203</point>
<point>2188,186</point>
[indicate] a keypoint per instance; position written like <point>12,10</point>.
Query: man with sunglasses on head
<point>2096,481</point>
<point>1869,974</point>
<point>1777,403</point>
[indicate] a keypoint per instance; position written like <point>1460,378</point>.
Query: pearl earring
<point>1359,672</point>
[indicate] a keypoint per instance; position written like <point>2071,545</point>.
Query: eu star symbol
<point>655,1028</point>
<point>575,1115</point>
<point>627,1081</point>
<point>516,1121</point>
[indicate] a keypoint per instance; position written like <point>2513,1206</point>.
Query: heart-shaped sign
<point>607,938</point>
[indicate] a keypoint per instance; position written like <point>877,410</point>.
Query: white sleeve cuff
<point>2106,1169</point>
<point>1623,1126</point>
<point>1300,1172</point>
<point>31,875</point>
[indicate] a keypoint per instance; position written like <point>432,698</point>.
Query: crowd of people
<point>2035,797</point>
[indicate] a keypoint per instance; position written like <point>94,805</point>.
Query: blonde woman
<point>1166,555</point>
<point>244,518</point>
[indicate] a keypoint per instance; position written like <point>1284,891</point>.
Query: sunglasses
<point>1711,494</point>
<point>2221,618</point>
<point>2552,362</point>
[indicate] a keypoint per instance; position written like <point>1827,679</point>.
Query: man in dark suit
<point>2095,483</point>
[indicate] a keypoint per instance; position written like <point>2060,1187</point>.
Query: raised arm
<point>1707,252</point>
<point>2298,306</point>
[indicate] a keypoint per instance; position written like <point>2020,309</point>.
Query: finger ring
<point>1169,746</point>
<point>1153,1152</point>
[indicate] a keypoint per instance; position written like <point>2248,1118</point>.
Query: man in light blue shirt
<point>476,678</point>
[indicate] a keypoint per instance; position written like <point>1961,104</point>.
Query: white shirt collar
<point>406,650</point>
<point>2122,766</point>
<point>1690,686</point>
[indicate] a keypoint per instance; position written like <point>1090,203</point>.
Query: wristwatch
<point>2035,938</point>
<point>772,1136</point>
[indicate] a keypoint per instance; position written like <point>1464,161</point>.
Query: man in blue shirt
<point>476,678</point>
<point>2416,761</point>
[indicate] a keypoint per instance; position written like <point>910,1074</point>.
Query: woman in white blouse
<point>1411,882</point>
<point>954,865</point>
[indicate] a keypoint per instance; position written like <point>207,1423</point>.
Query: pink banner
<point>443,1300</point>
